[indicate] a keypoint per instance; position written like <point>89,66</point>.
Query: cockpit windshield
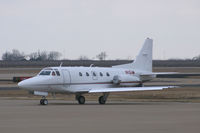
<point>49,71</point>
<point>45,72</point>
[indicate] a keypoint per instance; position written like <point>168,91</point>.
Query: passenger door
<point>66,77</point>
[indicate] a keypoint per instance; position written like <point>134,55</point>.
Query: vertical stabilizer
<point>143,61</point>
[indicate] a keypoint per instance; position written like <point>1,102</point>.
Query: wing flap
<point>124,89</point>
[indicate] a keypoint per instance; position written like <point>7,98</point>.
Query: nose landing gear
<point>44,101</point>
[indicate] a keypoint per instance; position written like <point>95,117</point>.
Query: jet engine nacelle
<point>126,80</point>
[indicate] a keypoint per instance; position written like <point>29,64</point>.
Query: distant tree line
<point>16,55</point>
<point>101,56</point>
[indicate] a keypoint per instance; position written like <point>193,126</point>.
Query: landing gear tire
<point>141,85</point>
<point>43,101</point>
<point>81,100</point>
<point>101,100</point>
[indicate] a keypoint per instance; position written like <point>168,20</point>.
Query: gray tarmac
<point>27,116</point>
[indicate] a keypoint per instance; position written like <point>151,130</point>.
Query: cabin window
<point>45,73</point>
<point>94,74</point>
<point>101,74</point>
<point>58,73</point>
<point>80,74</point>
<point>107,74</point>
<point>87,74</point>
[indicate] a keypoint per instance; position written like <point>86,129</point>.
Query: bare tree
<point>196,57</point>
<point>33,56</point>
<point>41,56</point>
<point>54,55</point>
<point>15,55</point>
<point>83,57</point>
<point>102,56</point>
<point>38,56</point>
<point>6,56</point>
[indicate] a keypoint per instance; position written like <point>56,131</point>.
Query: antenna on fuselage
<point>61,64</point>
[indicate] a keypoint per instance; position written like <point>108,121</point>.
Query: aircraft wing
<point>123,89</point>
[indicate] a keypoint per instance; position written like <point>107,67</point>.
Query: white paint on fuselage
<point>71,81</point>
<point>84,83</point>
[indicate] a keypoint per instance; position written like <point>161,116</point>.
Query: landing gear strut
<point>43,101</point>
<point>140,85</point>
<point>80,99</point>
<point>102,99</point>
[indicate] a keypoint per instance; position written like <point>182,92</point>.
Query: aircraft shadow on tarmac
<point>110,104</point>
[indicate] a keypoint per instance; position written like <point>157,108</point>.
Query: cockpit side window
<point>46,73</point>
<point>53,73</point>
<point>58,73</point>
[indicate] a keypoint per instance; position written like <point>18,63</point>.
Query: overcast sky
<point>87,27</point>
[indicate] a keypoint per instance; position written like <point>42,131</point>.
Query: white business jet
<point>81,80</point>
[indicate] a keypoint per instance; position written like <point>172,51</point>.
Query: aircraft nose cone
<point>25,84</point>
<point>21,84</point>
<point>35,83</point>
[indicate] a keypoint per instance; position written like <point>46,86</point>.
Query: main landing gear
<point>140,85</point>
<point>102,99</point>
<point>80,99</point>
<point>43,101</point>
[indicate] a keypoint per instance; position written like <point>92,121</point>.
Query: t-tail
<point>143,61</point>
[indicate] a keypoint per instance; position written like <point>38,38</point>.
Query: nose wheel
<point>43,102</point>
